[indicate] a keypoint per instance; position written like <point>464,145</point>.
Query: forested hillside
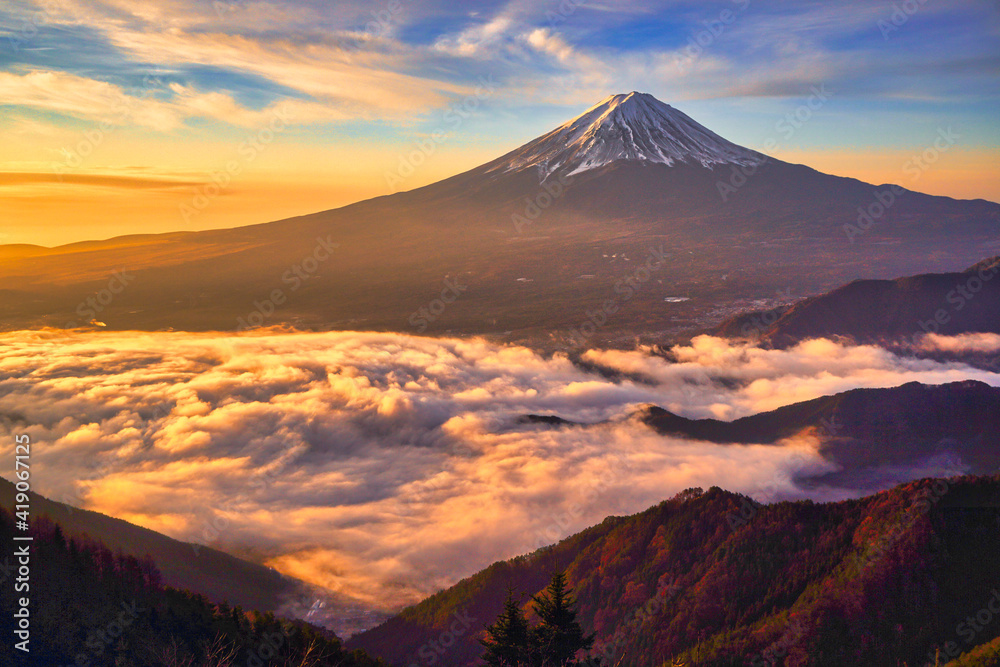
<point>91,607</point>
<point>712,578</point>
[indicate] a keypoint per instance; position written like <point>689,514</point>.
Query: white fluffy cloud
<point>387,466</point>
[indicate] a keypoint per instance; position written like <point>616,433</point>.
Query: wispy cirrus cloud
<point>366,61</point>
<point>333,56</point>
<point>328,56</point>
<point>102,102</point>
<point>104,180</point>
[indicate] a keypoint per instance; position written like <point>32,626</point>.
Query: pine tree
<point>507,640</point>
<point>558,637</point>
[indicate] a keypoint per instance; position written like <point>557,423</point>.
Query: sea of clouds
<point>386,466</point>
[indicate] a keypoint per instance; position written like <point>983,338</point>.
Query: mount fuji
<point>635,127</point>
<point>630,219</point>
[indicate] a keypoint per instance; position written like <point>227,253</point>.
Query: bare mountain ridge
<point>876,437</point>
<point>886,311</point>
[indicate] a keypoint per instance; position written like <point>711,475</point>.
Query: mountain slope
<point>212,573</point>
<point>641,204</point>
<point>874,435</point>
<point>90,606</point>
<point>713,579</point>
<point>886,310</point>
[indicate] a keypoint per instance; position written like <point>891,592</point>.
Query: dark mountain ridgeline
<point>881,311</point>
<point>878,437</point>
<point>712,578</point>
<point>216,575</point>
<point>871,432</point>
<point>92,607</point>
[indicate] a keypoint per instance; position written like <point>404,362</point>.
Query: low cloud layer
<point>387,466</point>
<point>984,343</point>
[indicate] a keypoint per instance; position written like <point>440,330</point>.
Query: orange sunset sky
<point>117,116</point>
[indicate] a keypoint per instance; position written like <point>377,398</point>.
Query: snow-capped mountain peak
<point>626,127</point>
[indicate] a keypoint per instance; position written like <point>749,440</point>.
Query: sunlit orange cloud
<point>369,464</point>
<point>962,173</point>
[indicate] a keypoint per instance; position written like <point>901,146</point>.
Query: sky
<point>135,116</point>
